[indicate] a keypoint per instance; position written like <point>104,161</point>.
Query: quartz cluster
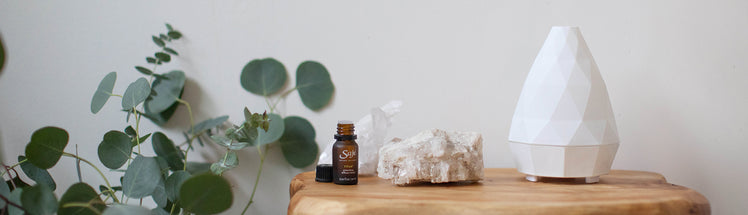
<point>434,156</point>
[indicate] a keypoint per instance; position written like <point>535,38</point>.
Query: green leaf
<point>314,85</point>
<point>195,168</point>
<point>46,146</point>
<point>40,176</point>
<point>139,140</point>
<point>115,149</point>
<point>164,37</point>
<point>83,194</point>
<point>5,191</point>
<point>103,92</point>
<point>263,76</point>
<point>136,93</point>
<point>118,209</point>
<point>15,197</point>
<point>130,131</point>
<point>150,60</point>
<point>167,91</point>
<point>174,182</point>
<point>209,124</point>
<point>229,161</point>
<point>141,177</point>
<point>297,143</point>
<point>165,148</point>
<point>39,200</point>
<point>158,41</point>
<point>274,132</point>
<point>163,57</point>
<point>174,34</point>
<point>159,194</point>
<point>168,27</point>
<point>171,51</point>
<point>205,194</point>
<point>144,70</point>
<point>163,117</point>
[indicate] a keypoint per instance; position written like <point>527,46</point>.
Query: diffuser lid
<point>564,100</point>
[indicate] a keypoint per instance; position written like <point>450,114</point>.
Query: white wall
<point>676,73</point>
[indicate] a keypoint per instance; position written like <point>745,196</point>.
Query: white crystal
<point>434,156</point>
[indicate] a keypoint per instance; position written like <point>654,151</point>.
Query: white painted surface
<point>675,72</point>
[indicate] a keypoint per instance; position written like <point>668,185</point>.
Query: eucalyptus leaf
<point>164,37</point>
<point>136,93</point>
<point>165,148</point>
<point>314,85</point>
<point>274,132</point>
<point>159,194</point>
<point>297,143</point>
<point>150,60</point>
<point>39,200</point>
<point>174,34</point>
<point>263,76</point>
<point>228,162</point>
<point>15,197</point>
<point>158,41</point>
<point>161,211</point>
<point>119,209</point>
<point>141,177</point>
<point>144,70</point>
<point>140,140</point>
<point>205,194</point>
<point>130,131</point>
<point>209,123</point>
<point>174,182</point>
<point>164,116</point>
<point>103,92</point>
<point>170,51</point>
<point>46,146</point>
<point>167,91</point>
<point>40,176</point>
<point>163,57</point>
<point>81,193</point>
<point>5,191</point>
<point>115,149</point>
<point>168,27</point>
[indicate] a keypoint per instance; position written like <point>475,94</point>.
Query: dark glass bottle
<point>345,155</point>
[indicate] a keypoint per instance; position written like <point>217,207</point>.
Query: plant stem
<point>137,128</point>
<point>14,166</point>
<point>257,180</point>
<point>189,110</point>
<point>109,186</point>
<point>81,205</point>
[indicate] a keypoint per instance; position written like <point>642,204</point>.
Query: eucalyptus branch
<point>189,111</point>
<point>81,205</point>
<point>11,167</point>
<point>108,185</point>
<point>257,180</point>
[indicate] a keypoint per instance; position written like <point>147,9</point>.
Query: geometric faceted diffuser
<point>564,126</point>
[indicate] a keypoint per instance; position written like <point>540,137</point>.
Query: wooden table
<point>504,191</point>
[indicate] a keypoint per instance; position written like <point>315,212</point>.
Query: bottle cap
<point>324,173</point>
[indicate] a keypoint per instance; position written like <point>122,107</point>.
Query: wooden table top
<point>503,191</point>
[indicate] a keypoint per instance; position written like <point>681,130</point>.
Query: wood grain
<point>504,191</point>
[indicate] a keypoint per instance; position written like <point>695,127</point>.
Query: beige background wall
<point>676,73</point>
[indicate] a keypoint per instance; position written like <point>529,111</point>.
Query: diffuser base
<point>563,161</point>
<point>586,180</point>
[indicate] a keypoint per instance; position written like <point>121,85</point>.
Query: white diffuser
<point>564,126</point>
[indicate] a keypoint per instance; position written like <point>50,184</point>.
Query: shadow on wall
<point>2,55</point>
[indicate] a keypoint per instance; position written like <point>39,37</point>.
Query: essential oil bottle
<point>345,155</point>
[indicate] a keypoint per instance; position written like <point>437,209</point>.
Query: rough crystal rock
<point>434,156</point>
